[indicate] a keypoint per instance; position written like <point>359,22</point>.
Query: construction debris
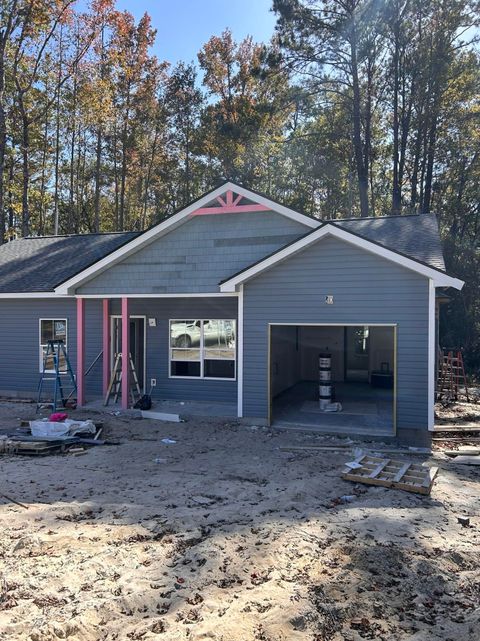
<point>61,429</point>
<point>9,498</point>
<point>462,450</point>
<point>390,473</point>
<point>467,460</point>
<point>52,437</point>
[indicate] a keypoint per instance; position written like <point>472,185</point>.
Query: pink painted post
<point>80,351</point>
<point>106,345</point>
<point>125,353</point>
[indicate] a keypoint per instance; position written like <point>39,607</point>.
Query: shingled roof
<point>40,264</point>
<point>417,236</point>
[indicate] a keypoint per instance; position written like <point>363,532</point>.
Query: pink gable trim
<point>229,205</point>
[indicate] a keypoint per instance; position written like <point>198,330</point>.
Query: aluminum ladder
<point>64,383</point>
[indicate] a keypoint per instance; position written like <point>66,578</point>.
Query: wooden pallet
<point>390,473</point>
<point>35,448</point>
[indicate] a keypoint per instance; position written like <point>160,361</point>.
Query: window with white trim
<point>202,348</point>
<point>52,329</point>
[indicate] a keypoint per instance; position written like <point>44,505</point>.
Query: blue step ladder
<point>61,374</point>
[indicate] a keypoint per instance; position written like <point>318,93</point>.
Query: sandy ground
<point>458,413</point>
<point>229,538</point>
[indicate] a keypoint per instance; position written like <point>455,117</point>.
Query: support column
<point>80,351</point>
<point>240,354</point>
<point>125,353</point>
<point>106,345</point>
<point>431,354</point>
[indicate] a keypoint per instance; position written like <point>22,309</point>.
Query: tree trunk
<point>123,178</point>
<point>3,144</point>
<point>98,161</point>
<point>362,175</point>
<point>11,210</point>
<point>3,141</point>
<point>43,209</point>
<point>115,177</point>
<point>427,196</point>
<point>405,129</point>
<point>56,221</point>
<point>25,172</point>
<point>396,188</point>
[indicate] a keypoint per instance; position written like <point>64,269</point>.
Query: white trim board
<point>431,355</point>
<point>240,354</point>
<point>113,296</point>
<point>439,278</point>
<point>172,223</point>
<point>20,295</point>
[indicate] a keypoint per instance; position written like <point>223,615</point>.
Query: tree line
<point>354,108</point>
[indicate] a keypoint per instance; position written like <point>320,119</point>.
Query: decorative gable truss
<point>226,199</point>
<point>230,203</point>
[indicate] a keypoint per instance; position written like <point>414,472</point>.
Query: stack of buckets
<point>325,380</point>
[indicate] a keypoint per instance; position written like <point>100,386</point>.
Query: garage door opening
<point>335,378</point>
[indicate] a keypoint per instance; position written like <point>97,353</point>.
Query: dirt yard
<point>224,536</point>
<point>458,413</point>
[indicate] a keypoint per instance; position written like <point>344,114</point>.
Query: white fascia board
<point>280,209</point>
<point>31,295</point>
<point>439,278</point>
<point>431,355</point>
<point>171,223</point>
<point>173,295</point>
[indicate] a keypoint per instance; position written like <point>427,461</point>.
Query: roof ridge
<point>93,233</point>
<point>387,217</point>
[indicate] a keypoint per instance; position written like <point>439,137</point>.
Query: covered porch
<point>182,351</point>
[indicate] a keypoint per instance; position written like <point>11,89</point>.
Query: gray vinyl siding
<point>19,344</point>
<point>199,254</point>
<point>366,289</point>
<point>19,341</point>
<point>157,345</point>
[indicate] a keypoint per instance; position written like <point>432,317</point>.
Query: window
<point>52,330</point>
<point>202,348</point>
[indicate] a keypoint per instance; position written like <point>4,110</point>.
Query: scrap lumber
<point>332,448</point>
<point>460,427</point>
<point>9,498</point>
<point>467,460</point>
<point>400,475</point>
<point>469,451</point>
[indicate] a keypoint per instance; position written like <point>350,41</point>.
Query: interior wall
<point>285,361</point>
<point>295,351</point>
<point>313,341</point>
<point>381,347</point>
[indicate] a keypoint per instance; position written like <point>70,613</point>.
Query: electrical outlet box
<point>153,382</point>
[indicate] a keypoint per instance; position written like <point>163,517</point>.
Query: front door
<point>137,344</point>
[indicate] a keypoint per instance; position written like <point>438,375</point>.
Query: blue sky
<point>183,26</point>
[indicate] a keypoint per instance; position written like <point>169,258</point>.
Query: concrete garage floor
<point>365,409</point>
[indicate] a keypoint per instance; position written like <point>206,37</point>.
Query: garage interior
<point>362,377</point>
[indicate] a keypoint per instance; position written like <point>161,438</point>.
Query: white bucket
<point>325,391</point>
<point>325,360</point>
